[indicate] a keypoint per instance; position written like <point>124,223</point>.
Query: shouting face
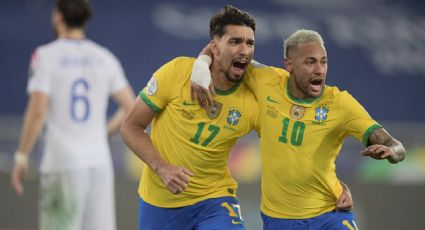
<point>308,65</point>
<point>233,52</point>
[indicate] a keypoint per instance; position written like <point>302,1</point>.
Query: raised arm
<point>381,145</point>
<point>202,87</point>
<point>133,133</point>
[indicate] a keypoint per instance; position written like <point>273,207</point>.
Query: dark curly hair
<point>229,15</point>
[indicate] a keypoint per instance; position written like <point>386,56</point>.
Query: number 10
<point>297,132</point>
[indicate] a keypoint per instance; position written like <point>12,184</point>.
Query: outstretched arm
<point>381,145</point>
<point>133,128</point>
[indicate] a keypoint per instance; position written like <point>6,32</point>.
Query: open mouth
<point>316,84</point>
<point>239,66</point>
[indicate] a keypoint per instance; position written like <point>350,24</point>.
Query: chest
<point>293,123</point>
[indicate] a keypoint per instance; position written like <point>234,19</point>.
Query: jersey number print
<point>212,128</point>
<point>297,132</point>
<point>80,106</point>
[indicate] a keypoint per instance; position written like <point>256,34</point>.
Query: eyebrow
<point>313,58</point>
<point>242,39</point>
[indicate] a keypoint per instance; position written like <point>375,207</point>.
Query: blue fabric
<point>211,214</point>
<point>327,221</point>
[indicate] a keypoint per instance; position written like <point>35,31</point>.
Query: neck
<point>294,91</point>
<point>76,33</point>
<point>220,80</point>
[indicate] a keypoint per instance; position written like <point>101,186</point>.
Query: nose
<point>245,49</point>
<point>320,68</point>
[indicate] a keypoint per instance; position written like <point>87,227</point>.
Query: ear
<point>214,47</point>
<point>57,17</point>
<point>288,64</point>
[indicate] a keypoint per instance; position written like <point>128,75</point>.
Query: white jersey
<point>78,76</point>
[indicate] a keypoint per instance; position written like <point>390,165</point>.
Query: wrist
<point>21,158</point>
<point>398,154</point>
<point>205,59</point>
<point>201,74</point>
<point>345,187</point>
<point>157,166</point>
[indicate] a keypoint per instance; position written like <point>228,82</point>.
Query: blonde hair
<point>301,36</point>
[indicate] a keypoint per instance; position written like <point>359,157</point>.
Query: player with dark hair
<point>70,82</point>
<point>187,184</point>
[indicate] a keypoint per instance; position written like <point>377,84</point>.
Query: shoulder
<point>47,48</point>
<point>176,71</point>
<point>44,53</point>
<point>334,94</point>
<point>99,50</point>
<point>179,66</point>
<point>183,62</point>
<point>266,74</point>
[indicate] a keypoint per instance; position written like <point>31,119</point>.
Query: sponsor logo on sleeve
<point>152,86</point>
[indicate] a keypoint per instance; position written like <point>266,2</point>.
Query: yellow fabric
<point>184,135</point>
<point>298,155</point>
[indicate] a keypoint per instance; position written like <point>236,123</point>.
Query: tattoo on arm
<point>381,137</point>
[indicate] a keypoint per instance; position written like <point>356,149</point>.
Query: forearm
<point>30,131</point>
<point>382,137</point>
<point>114,122</point>
<point>125,99</point>
<point>140,143</point>
<point>33,122</point>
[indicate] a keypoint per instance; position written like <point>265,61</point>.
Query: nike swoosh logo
<point>236,222</point>
<point>269,98</point>
<point>185,103</point>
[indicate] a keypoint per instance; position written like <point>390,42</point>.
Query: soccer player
<point>69,85</point>
<point>188,183</point>
<point>303,126</point>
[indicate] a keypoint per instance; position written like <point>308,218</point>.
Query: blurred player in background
<point>303,126</point>
<point>69,85</point>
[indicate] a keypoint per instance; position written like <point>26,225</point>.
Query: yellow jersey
<point>300,140</point>
<point>189,136</point>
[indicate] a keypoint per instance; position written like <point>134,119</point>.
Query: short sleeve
<point>357,121</point>
<point>39,75</point>
<point>158,90</point>
<point>119,80</point>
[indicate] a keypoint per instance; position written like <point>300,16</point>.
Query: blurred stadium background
<point>376,51</point>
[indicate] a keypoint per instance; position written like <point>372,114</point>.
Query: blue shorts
<point>327,221</point>
<point>217,213</point>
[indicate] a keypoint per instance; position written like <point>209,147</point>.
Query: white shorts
<point>78,200</point>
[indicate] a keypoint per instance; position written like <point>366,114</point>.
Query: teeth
<point>242,61</point>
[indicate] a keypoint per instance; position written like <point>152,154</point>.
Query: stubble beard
<point>234,78</point>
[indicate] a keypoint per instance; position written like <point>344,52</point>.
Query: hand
<point>201,94</point>
<point>345,201</point>
<point>380,152</point>
<point>175,178</point>
<point>16,178</point>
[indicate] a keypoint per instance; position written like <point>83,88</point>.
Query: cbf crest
<point>321,113</point>
<point>233,117</point>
